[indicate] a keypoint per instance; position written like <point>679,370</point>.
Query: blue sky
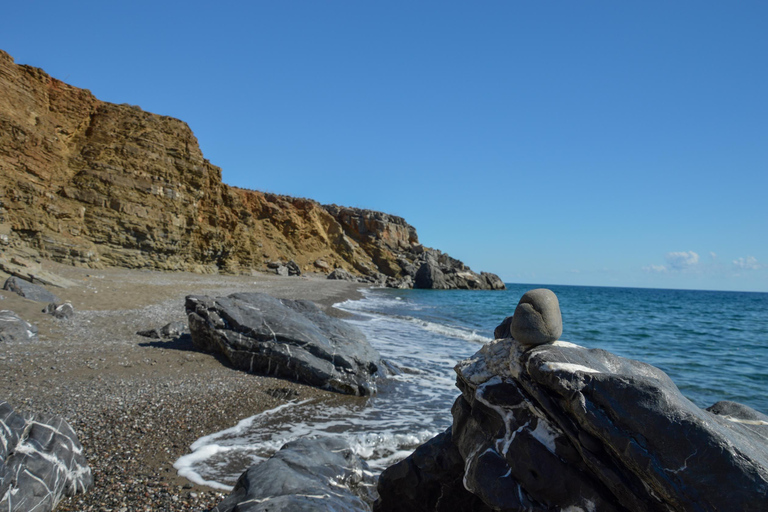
<point>571,142</point>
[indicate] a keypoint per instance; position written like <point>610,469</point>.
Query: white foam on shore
<point>411,407</point>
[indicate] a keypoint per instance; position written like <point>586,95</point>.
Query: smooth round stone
<point>537,319</point>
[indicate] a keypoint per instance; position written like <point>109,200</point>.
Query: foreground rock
<point>41,461</point>
<point>285,338</point>
<point>561,427</point>
<point>13,328</point>
<point>305,475</point>
<point>29,290</point>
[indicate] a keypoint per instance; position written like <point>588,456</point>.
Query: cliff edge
<point>96,184</point>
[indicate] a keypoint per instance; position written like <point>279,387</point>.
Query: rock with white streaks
<point>41,461</point>
<point>306,475</point>
<point>561,427</point>
<point>292,339</point>
<point>14,328</point>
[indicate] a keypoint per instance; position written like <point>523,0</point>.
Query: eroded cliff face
<point>97,184</point>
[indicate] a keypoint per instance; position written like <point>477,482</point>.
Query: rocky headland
<point>96,184</point>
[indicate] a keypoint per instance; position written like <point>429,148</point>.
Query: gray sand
<point>137,403</point>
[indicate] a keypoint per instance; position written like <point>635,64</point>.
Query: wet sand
<point>137,403</point>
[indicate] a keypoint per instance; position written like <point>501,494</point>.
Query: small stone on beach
<point>537,319</point>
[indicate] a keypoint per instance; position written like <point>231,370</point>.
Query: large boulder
<point>29,290</point>
<point>292,339</point>
<point>41,461</point>
<point>430,277</point>
<point>306,475</point>
<point>14,328</point>
<point>561,427</point>
<point>430,479</point>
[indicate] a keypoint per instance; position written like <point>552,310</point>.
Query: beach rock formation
<point>557,426</point>
<point>13,328</point>
<point>96,184</point>
<point>537,319</point>
<point>29,290</point>
<point>169,330</point>
<point>60,311</point>
<point>292,339</point>
<point>41,461</point>
<point>306,475</point>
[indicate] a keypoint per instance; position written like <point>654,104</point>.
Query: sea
<point>713,344</point>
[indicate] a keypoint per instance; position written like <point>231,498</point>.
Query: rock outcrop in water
<point>306,475</point>
<point>97,184</point>
<point>292,339</point>
<point>41,461</point>
<point>562,427</point>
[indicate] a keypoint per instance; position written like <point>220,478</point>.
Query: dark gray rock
<point>430,277</point>
<point>60,311</point>
<point>28,290</point>
<point>13,328</point>
<point>307,475</point>
<point>613,430</point>
<point>430,479</point>
<point>41,461</point>
<point>341,275</point>
<point>537,319</point>
<point>284,338</point>
<point>561,427</point>
<point>293,268</point>
<point>502,330</point>
<point>170,330</point>
<point>494,282</point>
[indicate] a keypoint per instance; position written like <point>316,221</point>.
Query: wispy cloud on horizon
<point>748,263</point>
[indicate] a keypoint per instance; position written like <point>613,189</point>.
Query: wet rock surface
<point>305,475</point>
<point>41,461</point>
<point>292,339</point>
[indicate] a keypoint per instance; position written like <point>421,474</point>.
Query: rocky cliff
<point>96,184</point>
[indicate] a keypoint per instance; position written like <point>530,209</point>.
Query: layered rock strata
<point>41,461</point>
<point>558,426</point>
<point>291,339</point>
<point>97,184</point>
<point>305,475</point>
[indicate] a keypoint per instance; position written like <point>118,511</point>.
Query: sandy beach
<point>137,403</point>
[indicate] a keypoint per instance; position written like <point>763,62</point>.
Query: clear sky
<point>558,142</point>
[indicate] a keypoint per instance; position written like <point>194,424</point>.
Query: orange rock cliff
<point>96,184</point>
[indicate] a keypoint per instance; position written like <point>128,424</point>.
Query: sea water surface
<point>714,345</point>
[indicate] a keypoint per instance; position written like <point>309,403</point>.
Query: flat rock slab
<point>29,290</point>
<point>14,328</point>
<point>41,461</point>
<point>306,475</point>
<point>291,339</point>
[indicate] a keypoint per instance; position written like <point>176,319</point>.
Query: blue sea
<point>714,345</point>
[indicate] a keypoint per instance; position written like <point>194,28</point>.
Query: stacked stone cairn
<point>542,424</point>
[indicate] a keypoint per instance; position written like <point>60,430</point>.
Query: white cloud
<point>713,255</point>
<point>748,263</point>
<point>658,269</point>
<point>682,260</point>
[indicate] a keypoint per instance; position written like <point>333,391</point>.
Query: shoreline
<point>137,404</point>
